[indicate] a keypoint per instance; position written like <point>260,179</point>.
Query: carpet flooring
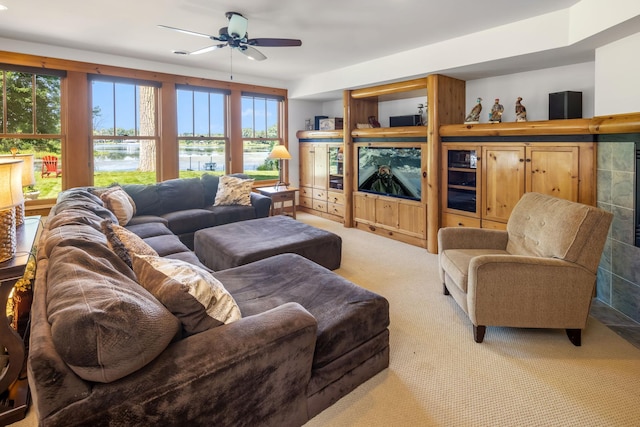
<point>438,375</point>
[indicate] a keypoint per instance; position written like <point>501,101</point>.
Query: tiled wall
<point>619,273</point>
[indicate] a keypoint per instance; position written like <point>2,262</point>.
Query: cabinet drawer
<point>306,192</point>
<point>320,205</point>
<point>336,209</point>
<point>277,198</point>
<point>334,197</point>
<point>319,194</point>
<point>451,220</point>
<point>306,202</point>
<point>494,225</point>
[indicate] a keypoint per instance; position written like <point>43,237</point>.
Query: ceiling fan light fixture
<point>237,25</point>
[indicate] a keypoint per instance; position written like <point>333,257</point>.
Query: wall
<point>534,88</point>
<point>618,91</point>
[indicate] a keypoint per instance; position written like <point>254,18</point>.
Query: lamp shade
<point>279,152</point>
<point>28,175</point>
<point>10,183</point>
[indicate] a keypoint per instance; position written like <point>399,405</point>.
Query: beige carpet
<point>438,376</point>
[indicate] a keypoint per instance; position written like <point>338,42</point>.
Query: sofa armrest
<point>261,203</point>
<point>471,238</point>
<point>254,371</point>
<point>525,291</point>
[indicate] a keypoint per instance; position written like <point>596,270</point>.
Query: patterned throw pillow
<point>120,203</point>
<point>125,243</point>
<point>233,191</point>
<point>192,294</point>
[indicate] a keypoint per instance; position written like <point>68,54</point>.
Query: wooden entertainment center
<point>472,174</point>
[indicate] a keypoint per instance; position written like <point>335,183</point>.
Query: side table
<point>14,388</point>
<point>280,195</point>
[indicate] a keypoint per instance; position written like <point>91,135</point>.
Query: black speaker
<point>565,105</point>
<point>412,120</point>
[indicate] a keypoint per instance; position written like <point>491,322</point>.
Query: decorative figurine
<point>495,116</point>
<point>521,112</point>
<point>474,115</point>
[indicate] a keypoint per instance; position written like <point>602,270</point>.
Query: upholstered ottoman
<point>239,243</point>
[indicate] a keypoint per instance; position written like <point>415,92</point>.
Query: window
<point>124,133</point>
<point>30,121</point>
<point>261,130</point>
<point>202,134</point>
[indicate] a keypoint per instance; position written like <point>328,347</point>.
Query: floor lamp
<point>280,152</point>
<point>10,197</point>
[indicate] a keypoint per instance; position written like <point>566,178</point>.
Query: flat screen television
<point>390,171</point>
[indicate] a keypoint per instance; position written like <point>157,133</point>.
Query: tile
<point>605,259</point>
<point>610,316</point>
<point>605,155</point>
<point>622,189</point>
<point>604,186</point>
<point>623,157</point>
<point>625,297</point>
<point>631,334</point>
<point>603,285</point>
<point>625,261</point>
<point>623,227</point>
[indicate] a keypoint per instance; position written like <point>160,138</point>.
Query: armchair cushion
<point>456,263</point>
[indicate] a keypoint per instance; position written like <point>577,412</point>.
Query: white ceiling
<point>334,33</point>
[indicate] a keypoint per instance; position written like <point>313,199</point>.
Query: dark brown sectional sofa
<point>306,338</point>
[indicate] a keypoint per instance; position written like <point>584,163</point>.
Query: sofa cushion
<point>233,191</point>
<point>180,194</point>
<point>120,203</point>
<point>210,184</point>
<point>189,220</point>
<point>347,315</point>
<point>125,243</point>
<point>145,197</point>
<point>149,229</point>
<point>192,294</point>
<point>104,325</point>
<point>233,213</point>
<point>166,244</point>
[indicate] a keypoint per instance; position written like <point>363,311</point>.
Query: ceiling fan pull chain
<point>231,63</point>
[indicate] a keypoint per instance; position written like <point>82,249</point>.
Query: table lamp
<point>280,152</point>
<point>28,178</point>
<point>10,196</point>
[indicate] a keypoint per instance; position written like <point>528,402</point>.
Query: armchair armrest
<point>261,203</point>
<point>525,291</point>
<point>471,238</point>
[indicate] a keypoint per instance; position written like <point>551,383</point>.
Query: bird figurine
<point>521,112</point>
<point>495,116</point>
<point>474,114</point>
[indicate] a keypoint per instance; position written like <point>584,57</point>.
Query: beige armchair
<point>539,273</point>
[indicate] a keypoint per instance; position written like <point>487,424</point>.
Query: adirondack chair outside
<point>50,166</point>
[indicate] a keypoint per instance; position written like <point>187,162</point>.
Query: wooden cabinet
<point>503,172</point>
<point>401,219</point>
<point>320,179</point>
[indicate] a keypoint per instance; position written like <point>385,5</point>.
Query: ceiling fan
<point>235,36</point>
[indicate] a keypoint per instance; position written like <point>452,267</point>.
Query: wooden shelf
<point>395,132</point>
<point>547,127</point>
<point>320,134</point>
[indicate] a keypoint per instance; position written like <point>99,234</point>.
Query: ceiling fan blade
<point>266,42</point>
<point>252,53</point>
<point>193,33</point>
<point>207,49</point>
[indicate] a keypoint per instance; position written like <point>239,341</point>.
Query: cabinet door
<point>306,165</point>
<point>553,171</point>
<point>364,208</point>
<point>387,212</point>
<point>503,175</point>
<point>320,166</point>
<point>412,219</point>
<point>461,183</point>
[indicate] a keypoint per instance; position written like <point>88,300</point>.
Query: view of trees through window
<point>30,122</point>
<point>260,132</point>
<point>124,132</point>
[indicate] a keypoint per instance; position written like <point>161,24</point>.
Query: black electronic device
<point>411,120</point>
<point>565,105</point>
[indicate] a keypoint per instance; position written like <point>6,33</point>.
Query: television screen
<point>391,171</point>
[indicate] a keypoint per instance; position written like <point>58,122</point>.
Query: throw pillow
<point>233,191</point>
<point>191,293</point>
<point>125,243</point>
<point>120,203</point>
